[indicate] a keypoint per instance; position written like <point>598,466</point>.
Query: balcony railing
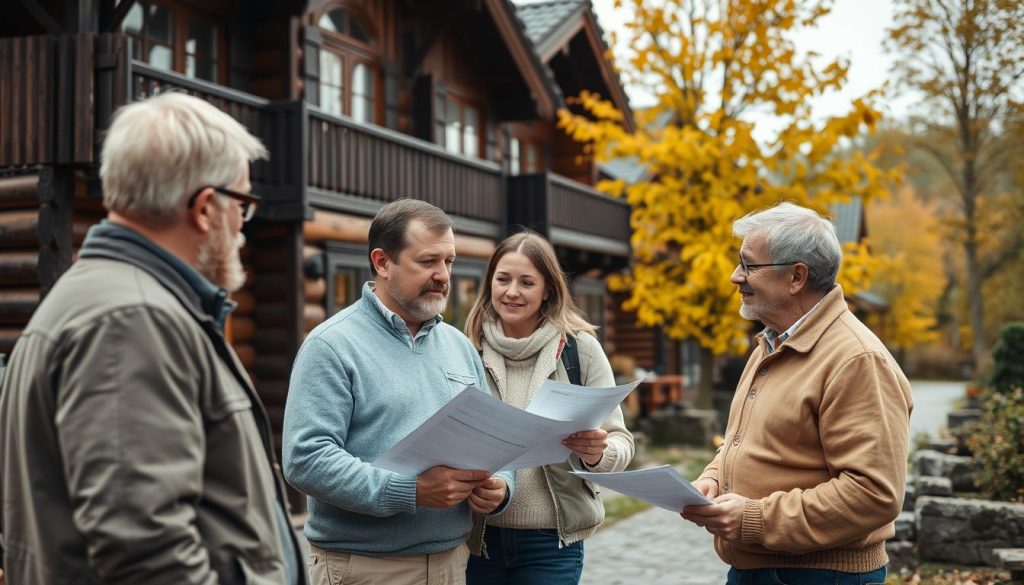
<point>382,165</point>
<point>570,213</point>
<point>46,88</point>
<point>278,179</point>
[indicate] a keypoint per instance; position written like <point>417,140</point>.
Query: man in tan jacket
<point>812,471</point>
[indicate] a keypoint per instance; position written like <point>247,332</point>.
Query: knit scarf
<point>541,346</point>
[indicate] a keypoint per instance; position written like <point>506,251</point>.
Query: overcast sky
<point>855,29</point>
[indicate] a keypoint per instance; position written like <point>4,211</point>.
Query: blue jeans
<point>525,557</point>
<point>803,577</point>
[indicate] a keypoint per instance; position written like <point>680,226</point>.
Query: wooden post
<point>56,193</point>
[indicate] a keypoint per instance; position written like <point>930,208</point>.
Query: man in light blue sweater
<point>362,381</point>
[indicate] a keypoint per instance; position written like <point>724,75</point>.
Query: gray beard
<point>219,261</point>
<point>421,308</point>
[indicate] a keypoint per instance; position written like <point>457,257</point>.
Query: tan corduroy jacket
<point>817,439</point>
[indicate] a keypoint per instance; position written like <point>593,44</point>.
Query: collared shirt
<point>397,322</point>
<point>773,339</point>
<point>214,299</point>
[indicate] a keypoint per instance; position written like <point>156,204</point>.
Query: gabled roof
<point>542,18</point>
<point>560,31</point>
<point>538,76</point>
<point>848,218</point>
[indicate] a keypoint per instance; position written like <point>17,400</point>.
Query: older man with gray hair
<point>812,471</point>
<point>133,447</point>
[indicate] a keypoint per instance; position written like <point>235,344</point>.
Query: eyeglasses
<point>249,201</point>
<point>745,268</point>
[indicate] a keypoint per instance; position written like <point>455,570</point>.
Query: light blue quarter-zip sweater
<point>360,383</point>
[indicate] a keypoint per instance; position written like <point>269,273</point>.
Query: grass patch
<point>937,574</point>
<point>622,507</point>
<point>690,461</point>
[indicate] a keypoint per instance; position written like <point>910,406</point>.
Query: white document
<point>662,486</point>
<point>472,431</point>
<point>587,407</point>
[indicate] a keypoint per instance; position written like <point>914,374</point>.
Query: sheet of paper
<point>472,431</point>
<point>587,407</point>
<point>662,486</point>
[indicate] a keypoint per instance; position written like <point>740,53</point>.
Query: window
<point>465,287</point>
<point>589,298</point>
<point>462,126</point>
<point>348,66</point>
<point>177,38</point>
<point>347,270</point>
<point>523,157</point>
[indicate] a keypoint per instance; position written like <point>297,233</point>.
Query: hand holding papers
<point>662,486</point>
<point>472,431</point>
<point>586,407</point>
<point>476,431</point>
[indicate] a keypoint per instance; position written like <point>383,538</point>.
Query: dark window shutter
<point>423,100</point>
<point>391,106</point>
<point>492,139</point>
<point>440,111</point>
<point>312,40</point>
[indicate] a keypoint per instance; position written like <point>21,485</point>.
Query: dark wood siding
<point>46,91</point>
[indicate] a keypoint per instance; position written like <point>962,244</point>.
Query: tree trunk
<point>976,306</point>
<point>707,378</point>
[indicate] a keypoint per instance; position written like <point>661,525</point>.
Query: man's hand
<point>487,496</point>
<point>707,486</point>
<point>723,518</point>
<point>588,445</point>
<point>444,487</point>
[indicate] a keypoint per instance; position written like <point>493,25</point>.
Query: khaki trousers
<point>338,568</point>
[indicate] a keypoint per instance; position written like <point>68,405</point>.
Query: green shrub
<point>1008,359</point>
<point>998,446</point>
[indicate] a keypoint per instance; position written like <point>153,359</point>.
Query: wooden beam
<point>118,16</point>
<point>56,193</point>
<point>42,17</point>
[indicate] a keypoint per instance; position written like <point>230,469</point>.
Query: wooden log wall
<point>19,256</point>
<point>21,248</point>
<point>632,339</point>
<point>265,328</point>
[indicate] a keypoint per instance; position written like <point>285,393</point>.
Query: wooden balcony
<point>571,214</point>
<point>46,89</point>
<point>326,161</point>
<point>363,162</point>
<point>57,95</point>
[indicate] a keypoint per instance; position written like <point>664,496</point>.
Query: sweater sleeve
<point>508,476</point>
<point>597,372</point>
<point>317,419</point>
<point>863,425</point>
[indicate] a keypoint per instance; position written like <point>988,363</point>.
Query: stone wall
<point>965,531</point>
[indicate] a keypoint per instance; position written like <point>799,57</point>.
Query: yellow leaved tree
<point>715,68</point>
<point>907,231</point>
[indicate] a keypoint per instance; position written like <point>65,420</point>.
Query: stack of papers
<point>477,431</point>
<point>662,486</point>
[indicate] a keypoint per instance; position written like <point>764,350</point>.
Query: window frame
<point>344,256</point>
<point>464,102</point>
<point>464,268</point>
<point>352,51</point>
<point>584,286</point>
<point>181,15</point>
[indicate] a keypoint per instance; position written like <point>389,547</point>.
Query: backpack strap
<point>571,360</point>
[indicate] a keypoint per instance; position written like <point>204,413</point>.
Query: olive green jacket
<point>133,447</point>
<point>578,506</point>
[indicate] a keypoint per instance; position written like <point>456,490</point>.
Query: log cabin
<point>359,102</point>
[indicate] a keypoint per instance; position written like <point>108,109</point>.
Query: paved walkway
<point>932,402</point>
<point>653,547</point>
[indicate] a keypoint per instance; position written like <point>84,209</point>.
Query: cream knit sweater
<point>517,368</point>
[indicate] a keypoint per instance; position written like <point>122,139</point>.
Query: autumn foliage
<point>718,71</point>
